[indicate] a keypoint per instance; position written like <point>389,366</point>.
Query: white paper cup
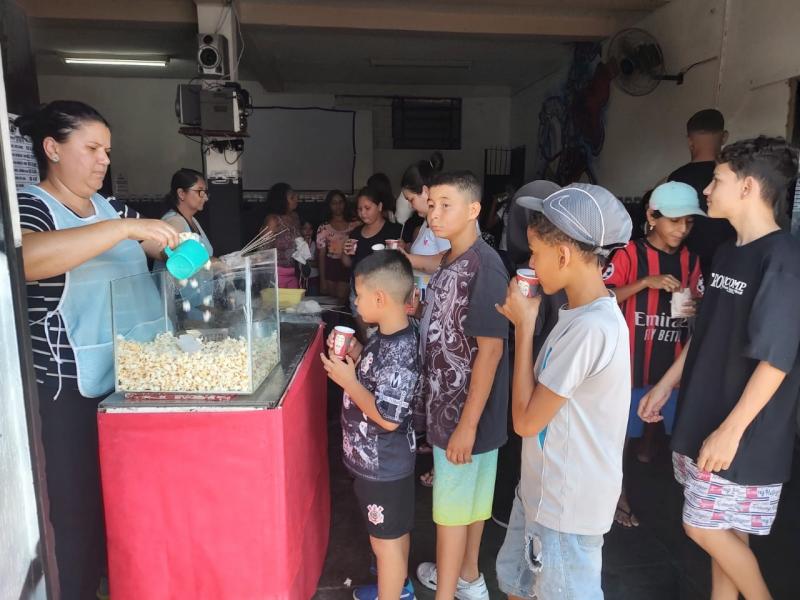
<point>376,247</point>
<point>392,244</point>
<point>677,303</point>
<point>341,340</point>
<point>528,282</point>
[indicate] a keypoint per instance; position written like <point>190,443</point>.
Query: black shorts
<point>387,506</point>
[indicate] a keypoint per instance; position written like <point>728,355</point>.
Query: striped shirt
<point>44,296</point>
<point>656,338</point>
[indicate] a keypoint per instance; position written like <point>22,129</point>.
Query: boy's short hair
<point>769,160</point>
<point>552,235</point>
<point>709,120</point>
<point>388,270</point>
<point>464,181</point>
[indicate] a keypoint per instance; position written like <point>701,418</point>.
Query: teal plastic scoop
<point>186,259</point>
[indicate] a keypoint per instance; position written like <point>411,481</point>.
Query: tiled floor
<point>652,562</point>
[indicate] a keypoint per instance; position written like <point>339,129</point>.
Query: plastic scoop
<point>186,259</point>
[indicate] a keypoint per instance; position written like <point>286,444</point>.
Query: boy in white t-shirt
<point>570,408</point>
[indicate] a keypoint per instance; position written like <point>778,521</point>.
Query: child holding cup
<point>652,278</point>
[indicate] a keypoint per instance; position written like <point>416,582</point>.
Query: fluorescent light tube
<point>123,62</point>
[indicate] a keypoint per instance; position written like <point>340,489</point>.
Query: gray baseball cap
<point>587,213</point>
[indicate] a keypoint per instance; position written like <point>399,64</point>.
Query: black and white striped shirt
<point>44,296</point>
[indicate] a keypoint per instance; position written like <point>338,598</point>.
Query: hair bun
<point>28,123</point>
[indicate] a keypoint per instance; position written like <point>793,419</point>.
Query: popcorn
<point>183,283</point>
<point>186,305</point>
<point>194,283</point>
<point>206,316</point>
<point>217,366</point>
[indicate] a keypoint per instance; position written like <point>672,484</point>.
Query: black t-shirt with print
<point>460,307</point>
<point>389,231</point>
<point>389,369</point>
<point>750,313</point>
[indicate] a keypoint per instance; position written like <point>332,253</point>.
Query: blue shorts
<point>538,562</point>
<point>636,425</point>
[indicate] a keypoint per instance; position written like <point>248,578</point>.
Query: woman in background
<point>283,223</point>
<point>188,194</point>
<point>334,276</point>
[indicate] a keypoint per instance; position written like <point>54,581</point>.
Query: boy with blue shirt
<point>379,381</point>
<point>571,407</point>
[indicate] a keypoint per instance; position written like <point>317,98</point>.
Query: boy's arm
<point>532,406</point>
<point>344,374</point>
<point>490,351</point>
<point>653,401</point>
<point>719,448</point>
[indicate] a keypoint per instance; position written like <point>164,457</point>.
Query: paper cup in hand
<point>341,340</point>
<point>679,299</point>
<point>392,244</point>
<point>528,282</point>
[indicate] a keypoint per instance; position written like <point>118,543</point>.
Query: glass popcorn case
<point>217,332</point>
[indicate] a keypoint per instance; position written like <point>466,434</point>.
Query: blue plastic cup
<point>186,259</point>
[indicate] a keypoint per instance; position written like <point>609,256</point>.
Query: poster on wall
<point>26,171</point>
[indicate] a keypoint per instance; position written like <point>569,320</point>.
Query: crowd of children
<point>641,336</point>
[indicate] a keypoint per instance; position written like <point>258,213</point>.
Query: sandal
<point>426,479</point>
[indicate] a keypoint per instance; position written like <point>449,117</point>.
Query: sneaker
<point>370,592</point>
<point>465,590</point>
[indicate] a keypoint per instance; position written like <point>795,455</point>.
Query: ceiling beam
<point>161,11</point>
<point>430,18</point>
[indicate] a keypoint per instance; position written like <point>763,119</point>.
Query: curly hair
<point>769,160</point>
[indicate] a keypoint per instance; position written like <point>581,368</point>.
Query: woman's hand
<point>662,282</point>
<point>151,230</point>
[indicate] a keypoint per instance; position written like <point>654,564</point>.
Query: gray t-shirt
<point>572,471</point>
<point>459,308</point>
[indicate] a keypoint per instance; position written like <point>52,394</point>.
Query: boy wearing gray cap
<point>571,407</point>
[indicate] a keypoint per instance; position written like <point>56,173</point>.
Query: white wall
<point>484,124</point>
<point>646,135</point>
<point>147,148</point>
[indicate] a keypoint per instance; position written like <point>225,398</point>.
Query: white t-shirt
<point>428,244</point>
<point>572,471</point>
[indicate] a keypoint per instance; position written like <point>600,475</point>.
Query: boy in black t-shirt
<point>740,375</point>
<point>379,382</point>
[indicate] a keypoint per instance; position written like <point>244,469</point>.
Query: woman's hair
<point>380,183</point>
<point>422,173</point>
<point>182,179</point>
<point>57,120</point>
<point>278,199</point>
<point>370,194</point>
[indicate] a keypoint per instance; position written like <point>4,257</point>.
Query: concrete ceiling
<point>338,44</point>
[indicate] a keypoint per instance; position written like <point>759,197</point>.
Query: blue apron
<point>85,305</point>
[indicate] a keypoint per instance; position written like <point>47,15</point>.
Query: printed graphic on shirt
<point>389,370</point>
<point>656,337</point>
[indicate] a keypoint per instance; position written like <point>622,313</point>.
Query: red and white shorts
<point>712,502</point>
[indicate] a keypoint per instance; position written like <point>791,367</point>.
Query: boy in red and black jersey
<point>657,280</point>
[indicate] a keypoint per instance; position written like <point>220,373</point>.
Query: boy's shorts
<point>711,502</point>
<point>463,494</point>
<point>538,562</point>
<point>387,506</point>
<point>636,425</point>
